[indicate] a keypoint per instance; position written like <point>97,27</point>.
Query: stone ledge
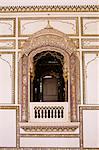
<point>49,127</point>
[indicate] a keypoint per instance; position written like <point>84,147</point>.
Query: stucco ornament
<point>49,39</point>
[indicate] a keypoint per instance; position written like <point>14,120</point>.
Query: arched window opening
<point>48,84</point>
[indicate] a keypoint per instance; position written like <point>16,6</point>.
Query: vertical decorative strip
<point>78,91</point>
<point>25,88</point>
<point>81,127</point>
<point>13,78</point>
<point>73,98</point>
<point>17,126</point>
<point>20,84</point>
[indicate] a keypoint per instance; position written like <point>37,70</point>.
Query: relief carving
<point>74,85</point>
<point>49,39</point>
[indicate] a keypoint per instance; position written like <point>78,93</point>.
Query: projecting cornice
<point>85,8</point>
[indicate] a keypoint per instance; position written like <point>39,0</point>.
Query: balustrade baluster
<point>62,112</point>
<point>45,112</point>
<point>52,113</point>
<point>58,112</point>
<point>55,112</point>
<point>35,112</point>
<point>39,113</point>
<point>49,112</point>
<point>42,112</point>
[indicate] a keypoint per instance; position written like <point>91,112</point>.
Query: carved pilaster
<point>24,100</point>
<point>31,69</point>
<point>74,85</point>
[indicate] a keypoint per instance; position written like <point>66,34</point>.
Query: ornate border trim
<point>40,148</point>
<point>53,8</point>
<point>50,135</point>
<point>29,128</point>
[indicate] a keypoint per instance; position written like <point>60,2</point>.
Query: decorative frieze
<point>65,128</point>
<point>83,8</point>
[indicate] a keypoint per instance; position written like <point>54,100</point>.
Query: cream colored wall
<point>83,30</point>
<point>7,128</point>
<point>90,128</point>
<point>50,142</point>
<point>91,79</point>
<point>6,78</point>
<point>50,2</point>
<point>87,43</point>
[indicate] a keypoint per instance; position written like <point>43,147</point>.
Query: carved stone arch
<point>51,49</point>
<point>48,39</point>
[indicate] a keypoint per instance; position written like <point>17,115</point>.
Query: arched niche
<point>47,81</point>
<point>52,40</point>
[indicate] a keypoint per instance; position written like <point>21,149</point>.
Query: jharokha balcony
<point>48,118</point>
<point>49,82</point>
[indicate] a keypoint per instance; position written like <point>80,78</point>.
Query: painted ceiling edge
<point>51,8</point>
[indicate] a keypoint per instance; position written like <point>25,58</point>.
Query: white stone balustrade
<point>48,111</point>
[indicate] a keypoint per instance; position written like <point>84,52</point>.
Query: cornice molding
<point>83,8</point>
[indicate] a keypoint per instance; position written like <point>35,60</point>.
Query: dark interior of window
<point>48,84</point>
